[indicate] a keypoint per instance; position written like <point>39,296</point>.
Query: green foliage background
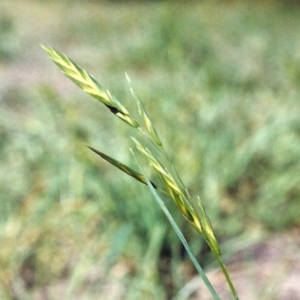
<point>221,83</point>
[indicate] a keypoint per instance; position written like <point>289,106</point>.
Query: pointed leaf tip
<point>129,171</point>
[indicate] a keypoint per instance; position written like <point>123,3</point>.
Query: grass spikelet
<point>207,229</point>
<point>89,84</point>
<point>168,178</point>
<point>142,111</point>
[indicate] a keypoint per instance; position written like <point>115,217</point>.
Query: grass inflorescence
<point>173,187</point>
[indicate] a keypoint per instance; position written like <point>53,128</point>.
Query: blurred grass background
<point>221,82</point>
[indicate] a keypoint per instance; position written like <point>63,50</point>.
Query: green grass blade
<point>129,171</point>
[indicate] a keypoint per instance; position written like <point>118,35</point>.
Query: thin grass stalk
<point>228,278</point>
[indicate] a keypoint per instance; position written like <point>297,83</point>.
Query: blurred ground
<point>267,270</point>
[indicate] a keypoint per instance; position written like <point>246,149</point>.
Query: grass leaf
<point>122,167</point>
